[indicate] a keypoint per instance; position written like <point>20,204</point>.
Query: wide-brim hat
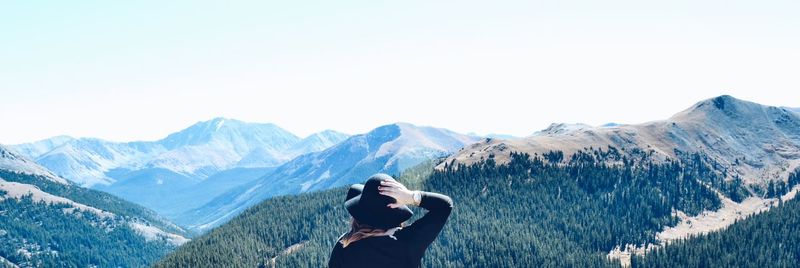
<point>369,207</point>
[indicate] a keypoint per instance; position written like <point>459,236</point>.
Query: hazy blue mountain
<point>154,188</point>
<point>318,141</point>
<point>197,151</point>
<point>313,143</point>
<point>86,160</point>
<point>208,147</point>
<point>171,194</point>
<point>390,149</point>
<point>47,221</point>
<point>35,149</point>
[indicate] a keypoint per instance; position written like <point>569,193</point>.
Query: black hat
<point>370,207</point>
<point>354,191</point>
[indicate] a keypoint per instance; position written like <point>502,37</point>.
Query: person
<point>378,236</point>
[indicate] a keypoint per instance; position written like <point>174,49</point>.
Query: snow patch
<point>6,262</point>
<point>703,223</point>
<point>325,175</point>
<point>18,190</point>
<point>152,233</point>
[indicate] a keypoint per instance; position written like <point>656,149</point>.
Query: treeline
<point>536,210</point>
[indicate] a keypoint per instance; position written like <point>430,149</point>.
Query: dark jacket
<point>406,248</point>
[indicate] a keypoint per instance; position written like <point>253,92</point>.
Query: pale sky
<point>139,70</point>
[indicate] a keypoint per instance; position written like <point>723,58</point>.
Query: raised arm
<point>422,232</point>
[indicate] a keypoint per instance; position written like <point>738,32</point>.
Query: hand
<point>398,191</point>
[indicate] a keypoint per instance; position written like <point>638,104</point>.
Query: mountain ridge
<point>683,131</point>
<point>198,150</point>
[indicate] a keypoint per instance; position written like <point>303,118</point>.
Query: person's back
<point>380,251</point>
<point>396,246</point>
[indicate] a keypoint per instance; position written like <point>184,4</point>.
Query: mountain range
<point>703,169</point>
<point>170,175</point>
<point>198,151</point>
<point>388,149</point>
<point>754,142</point>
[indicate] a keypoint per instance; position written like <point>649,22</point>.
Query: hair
<point>360,231</point>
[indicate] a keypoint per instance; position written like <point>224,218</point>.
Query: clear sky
<point>138,70</point>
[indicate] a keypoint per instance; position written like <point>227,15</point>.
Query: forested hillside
<point>769,239</point>
<point>44,223</point>
<point>536,210</point>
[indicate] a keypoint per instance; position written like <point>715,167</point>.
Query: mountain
<point>389,149</point>
<point>569,197</point>
<point>197,151</point>
<point>171,194</point>
<point>318,141</point>
<point>796,110</point>
<point>35,149</point>
<point>86,160</point>
<point>750,143</point>
<point>218,144</point>
<point>754,142</point>
<point>313,143</point>
<point>47,221</point>
<point>150,173</point>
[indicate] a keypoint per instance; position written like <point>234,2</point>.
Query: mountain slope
<point>48,221</point>
<point>218,144</point>
<point>769,239</point>
<point>390,149</point>
<point>86,160</point>
<point>313,143</point>
<point>318,141</point>
<point>170,194</point>
<point>754,142</point>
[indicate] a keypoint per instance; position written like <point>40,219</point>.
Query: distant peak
<point>330,132</point>
<point>722,101</point>
<point>562,128</point>
<point>610,124</point>
<point>217,121</point>
<point>724,106</point>
<point>404,124</point>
